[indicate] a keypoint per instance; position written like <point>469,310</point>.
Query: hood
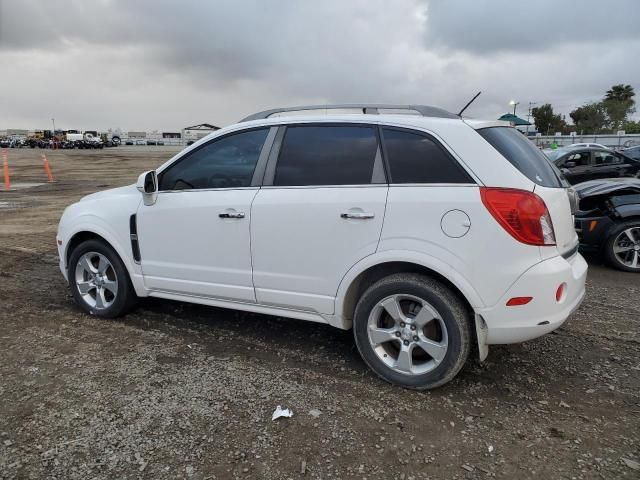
<point>112,192</point>
<point>607,186</point>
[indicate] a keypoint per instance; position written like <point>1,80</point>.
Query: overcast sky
<point>161,64</point>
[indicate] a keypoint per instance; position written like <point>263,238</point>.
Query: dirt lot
<point>182,391</point>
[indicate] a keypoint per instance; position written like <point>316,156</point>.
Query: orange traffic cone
<point>47,169</point>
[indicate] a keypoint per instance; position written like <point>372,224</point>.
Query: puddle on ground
<point>25,185</point>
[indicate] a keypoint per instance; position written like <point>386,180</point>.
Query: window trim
<point>438,144</point>
<point>274,156</point>
<point>258,171</point>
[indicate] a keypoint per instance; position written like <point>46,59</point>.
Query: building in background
<point>196,132</point>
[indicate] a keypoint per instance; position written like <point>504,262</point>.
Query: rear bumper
<point>543,313</point>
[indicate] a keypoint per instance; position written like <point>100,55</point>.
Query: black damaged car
<point>590,163</point>
<point>608,220</point>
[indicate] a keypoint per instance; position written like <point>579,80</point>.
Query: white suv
<point>423,232</point>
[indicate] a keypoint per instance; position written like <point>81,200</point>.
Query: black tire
<point>124,300</point>
<point>452,312</point>
<point>609,245</point>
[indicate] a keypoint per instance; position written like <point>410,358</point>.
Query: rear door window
<point>606,158</point>
<point>417,158</point>
<point>522,154</point>
<point>327,155</point>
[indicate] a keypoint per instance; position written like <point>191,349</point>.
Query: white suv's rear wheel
<point>412,331</point>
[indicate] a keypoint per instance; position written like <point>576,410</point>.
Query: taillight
<point>521,213</point>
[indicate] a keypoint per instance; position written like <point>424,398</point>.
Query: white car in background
<point>587,145</point>
<point>424,233</point>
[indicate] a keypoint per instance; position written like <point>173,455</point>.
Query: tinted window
<point>604,158</point>
<point>326,155</point>
<point>522,154</point>
<point>415,158</point>
<point>225,163</point>
<point>581,159</point>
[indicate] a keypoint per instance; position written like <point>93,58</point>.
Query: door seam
<point>384,214</point>
<point>253,283</point>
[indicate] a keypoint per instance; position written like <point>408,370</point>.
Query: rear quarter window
<point>523,155</point>
<point>416,158</point>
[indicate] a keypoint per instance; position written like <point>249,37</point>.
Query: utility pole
<point>53,120</point>
<point>531,104</point>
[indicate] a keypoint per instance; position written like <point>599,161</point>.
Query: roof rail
<point>367,108</point>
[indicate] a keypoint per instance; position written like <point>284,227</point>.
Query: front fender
<point>118,241</point>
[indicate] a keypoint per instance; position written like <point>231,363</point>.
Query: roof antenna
<point>467,105</point>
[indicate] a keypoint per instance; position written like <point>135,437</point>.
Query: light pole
<point>515,104</point>
<point>531,104</point>
<point>53,120</point>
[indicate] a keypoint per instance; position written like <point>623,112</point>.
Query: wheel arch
<point>629,217</point>
<point>375,267</point>
<point>79,238</point>
<point>83,233</point>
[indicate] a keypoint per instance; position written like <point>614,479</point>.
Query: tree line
<point>609,115</point>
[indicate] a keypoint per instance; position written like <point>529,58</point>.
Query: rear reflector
<point>560,291</point>
<point>515,301</point>
<point>521,213</point>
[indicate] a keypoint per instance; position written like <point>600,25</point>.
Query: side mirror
<point>570,165</point>
<point>147,184</point>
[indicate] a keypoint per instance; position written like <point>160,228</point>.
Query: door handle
<point>357,215</point>
<point>231,215</point>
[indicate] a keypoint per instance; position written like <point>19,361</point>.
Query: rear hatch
<point>549,182</point>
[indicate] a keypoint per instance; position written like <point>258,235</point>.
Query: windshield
<point>523,155</point>
<point>554,154</point>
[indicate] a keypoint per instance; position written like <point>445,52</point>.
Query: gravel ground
<point>184,391</point>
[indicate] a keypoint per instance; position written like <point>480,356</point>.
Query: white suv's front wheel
<point>99,281</point>
<point>412,331</point>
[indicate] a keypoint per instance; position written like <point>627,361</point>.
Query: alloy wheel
<point>407,334</point>
<point>626,247</point>
<point>96,280</point>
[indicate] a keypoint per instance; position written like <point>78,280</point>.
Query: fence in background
<point>611,141</point>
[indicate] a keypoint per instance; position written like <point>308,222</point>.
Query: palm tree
<point>620,93</point>
<point>619,104</point>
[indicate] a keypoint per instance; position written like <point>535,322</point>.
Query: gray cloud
<point>484,26</point>
<point>164,64</point>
